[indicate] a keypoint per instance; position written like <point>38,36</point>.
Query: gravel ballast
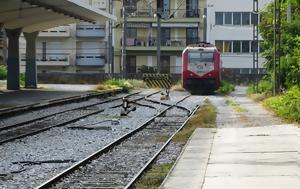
<point>64,143</point>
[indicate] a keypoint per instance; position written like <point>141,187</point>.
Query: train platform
<point>235,158</point>
<point>48,92</point>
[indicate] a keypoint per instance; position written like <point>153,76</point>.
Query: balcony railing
<point>90,31</point>
<point>171,13</point>
<point>90,59</point>
<point>61,31</point>
<point>171,42</point>
<point>49,59</point>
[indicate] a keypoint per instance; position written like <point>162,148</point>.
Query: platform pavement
<point>48,92</point>
<point>239,158</point>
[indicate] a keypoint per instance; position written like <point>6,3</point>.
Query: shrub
<point>287,105</point>
<point>22,79</point>
<point>137,84</point>
<point>225,87</point>
<point>264,87</point>
<point>123,84</point>
<point>3,72</point>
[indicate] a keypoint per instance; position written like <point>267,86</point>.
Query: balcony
<point>171,44</point>
<point>90,31</point>
<point>172,15</point>
<point>61,31</point>
<point>90,59</point>
<point>50,59</point>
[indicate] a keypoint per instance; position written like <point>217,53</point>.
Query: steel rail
<point>147,165</point>
<point>166,104</point>
<point>48,127</point>
<point>53,102</point>
<point>61,112</point>
<point>104,150</point>
<point>66,122</point>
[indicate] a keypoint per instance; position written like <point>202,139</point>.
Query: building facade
<point>230,28</point>
<point>182,23</point>
<point>74,48</point>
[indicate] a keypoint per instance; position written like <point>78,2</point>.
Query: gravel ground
<point>64,143</point>
<point>125,160</point>
<point>253,115</point>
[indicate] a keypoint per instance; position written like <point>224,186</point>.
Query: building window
<point>219,45</point>
<point>227,47</point>
<point>131,64</point>
<point>236,46</point>
<point>236,18</point>
<point>165,64</point>
<point>228,18</point>
<point>192,8</point>
<point>131,32</point>
<point>44,51</point>
<point>254,18</point>
<point>165,36</point>
<point>245,18</point>
<point>191,36</point>
<point>219,18</point>
<point>245,46</point>
<point>164,6</point>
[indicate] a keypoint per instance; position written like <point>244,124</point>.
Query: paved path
<point>239,158</point>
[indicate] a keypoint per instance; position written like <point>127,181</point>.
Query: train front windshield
<point>201,62</point>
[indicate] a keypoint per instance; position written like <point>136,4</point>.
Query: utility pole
<point>255,43</point>
<point>277,48</point>
<point>110,49</point>
<point>124,41</point>
<point>158,41</point>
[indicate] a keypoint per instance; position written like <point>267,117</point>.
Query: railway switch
<point>127,107</point>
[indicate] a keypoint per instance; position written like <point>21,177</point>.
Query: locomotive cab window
<point>201,62</point>
<point>198,57</point>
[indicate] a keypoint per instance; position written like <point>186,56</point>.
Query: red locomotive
<point>201,68</point>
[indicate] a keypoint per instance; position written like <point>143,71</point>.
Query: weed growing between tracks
<point>235,106</point>
<point>205,117</point>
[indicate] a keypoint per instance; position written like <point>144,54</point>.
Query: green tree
<point>290,41</point>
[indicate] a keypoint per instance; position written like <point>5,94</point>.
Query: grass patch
<point>287,105</point>
<point>225,88</point>
<point>235,106</point>
<point>154,176</point>
<point>124,85</point>
<point>205,117</point>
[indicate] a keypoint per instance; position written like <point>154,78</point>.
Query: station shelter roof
<point>38,15</point>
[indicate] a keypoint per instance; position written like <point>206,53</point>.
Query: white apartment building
<point>74,48</point>
<point>229,27</point>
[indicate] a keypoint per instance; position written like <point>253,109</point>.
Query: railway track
<point>53,102</point>
<point>33,126</point>
<point>120,163</point>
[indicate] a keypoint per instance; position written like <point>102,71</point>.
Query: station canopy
<point>38,15</point>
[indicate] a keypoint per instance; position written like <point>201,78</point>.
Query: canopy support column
<point>31,69</point>
<point>13,64</point>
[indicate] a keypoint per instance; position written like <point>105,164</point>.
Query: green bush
<point>3,72</point>
<point>225,87</point>
<point>22,79</point>
<point>264,86</point>
<point>287,105</point>
<point>121,83</point>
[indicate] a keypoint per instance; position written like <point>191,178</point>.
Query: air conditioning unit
<point>100,4</point>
